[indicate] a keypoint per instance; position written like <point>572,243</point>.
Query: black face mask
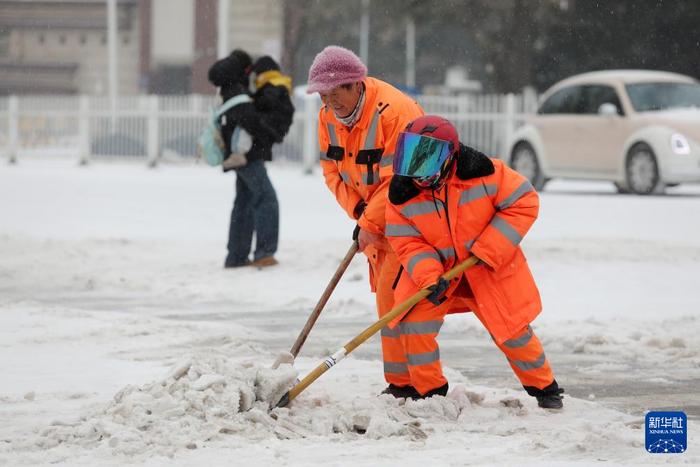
<point>438,180</point>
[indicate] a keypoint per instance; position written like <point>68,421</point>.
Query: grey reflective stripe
<point>346,178</point>
<point>526,365</point>
<point>372,133</point>
<point>386,332</point>
<point>323,157</point>
<point>401,230</point>
<point>506,229</point>
<point>445,253</point>
<point>332,135</point>
<point>423,358</point>
<point>425,327</point>
<point>417,328</point>
<point>395,367</point>
<point>470,244</point>
<point>375,178</point>
<point>477,192</point>
<point>520,341</point>
<point>420,257</point>
<point>387,160</point>
<point>417,209</point>
<point>526,187</point>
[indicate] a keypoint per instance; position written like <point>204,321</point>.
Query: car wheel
<point>524,160</point>
<point>642,171</point>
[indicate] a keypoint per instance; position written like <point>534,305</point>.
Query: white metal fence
<point>165,128</point>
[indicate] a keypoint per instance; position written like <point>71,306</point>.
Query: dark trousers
<point>255,209</point>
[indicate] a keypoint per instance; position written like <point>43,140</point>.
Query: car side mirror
<point>607,109</point>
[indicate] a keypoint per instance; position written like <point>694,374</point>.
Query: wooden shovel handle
<point>323,300</point>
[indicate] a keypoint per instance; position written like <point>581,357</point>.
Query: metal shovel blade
<point>285,357</point>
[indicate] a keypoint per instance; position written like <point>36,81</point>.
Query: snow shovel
<point>369,332</point>
<point>288,357</point>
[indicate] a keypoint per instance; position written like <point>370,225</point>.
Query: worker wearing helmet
<point>448,202</point>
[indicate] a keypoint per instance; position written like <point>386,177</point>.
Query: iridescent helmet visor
<point>419,156</point>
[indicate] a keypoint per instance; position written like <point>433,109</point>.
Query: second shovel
<point>288,357</point>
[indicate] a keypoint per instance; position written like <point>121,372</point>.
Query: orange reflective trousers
<point>384,267</point>
<point>412,354</point>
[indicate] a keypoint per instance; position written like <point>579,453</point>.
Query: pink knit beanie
<point>334,66</point>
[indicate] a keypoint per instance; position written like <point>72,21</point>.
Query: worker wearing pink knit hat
<point>359,124</point>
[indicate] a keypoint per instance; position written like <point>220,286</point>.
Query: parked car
<point>639,129</point>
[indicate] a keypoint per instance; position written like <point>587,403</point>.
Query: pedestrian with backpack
<point>247,141</point>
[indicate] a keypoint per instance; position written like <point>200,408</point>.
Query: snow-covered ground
<point>123,340</point>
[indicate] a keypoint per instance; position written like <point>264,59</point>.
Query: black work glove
<point>359,209</point>
<point>356,232</point>
<point>437,291</point>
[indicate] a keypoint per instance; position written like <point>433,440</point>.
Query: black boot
<point>441,391</point>
<point>549,397</point>
<point>401,392</point>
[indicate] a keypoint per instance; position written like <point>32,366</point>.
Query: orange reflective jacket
<point>357,161</point>
<point>485,209</point>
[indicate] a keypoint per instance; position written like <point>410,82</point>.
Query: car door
<point>599,135</point>
<point>556,122</point>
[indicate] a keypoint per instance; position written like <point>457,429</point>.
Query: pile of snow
<point>200,398</point>
<point>207,398</point>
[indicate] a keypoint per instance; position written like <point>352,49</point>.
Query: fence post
<point>508,126</point>
<point>83,130</point>
<point>529,100</point>
<point>153,138</point>
<point>13,129</point>
<point>195,103</point>
<point>309,154</point>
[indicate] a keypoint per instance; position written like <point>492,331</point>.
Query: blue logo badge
<point>666,432</point>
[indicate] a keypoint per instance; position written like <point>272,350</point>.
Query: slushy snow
<point>204,400</point>
<point>124,341</point>
<point>200,399</point>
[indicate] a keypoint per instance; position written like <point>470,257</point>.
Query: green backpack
<point>211,145</point>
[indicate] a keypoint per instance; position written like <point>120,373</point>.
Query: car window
<point>595,95</point>
<point>564,101</point>
<point>647,97</point>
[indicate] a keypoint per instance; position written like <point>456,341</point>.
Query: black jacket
<point>252,121</point>
<point>277,107</point>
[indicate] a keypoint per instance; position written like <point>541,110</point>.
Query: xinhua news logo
<point>666,432</point>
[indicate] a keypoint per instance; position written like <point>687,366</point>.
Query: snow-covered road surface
<point>110,274</point>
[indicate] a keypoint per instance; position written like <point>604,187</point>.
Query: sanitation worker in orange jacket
<point>447,203</point>
<point>359,122</point>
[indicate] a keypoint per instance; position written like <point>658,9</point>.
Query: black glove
<point>356,232</point>
<point>437,290</point>
<point>359,209</point>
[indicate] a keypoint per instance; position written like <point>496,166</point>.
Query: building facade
<point>164,46</point>
<point>61,46</point>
